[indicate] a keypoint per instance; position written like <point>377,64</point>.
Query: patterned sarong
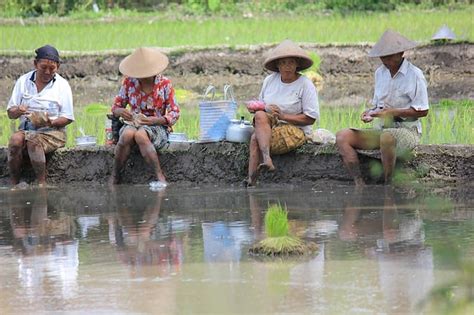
<point>158,134</point>
<point>49,140</point>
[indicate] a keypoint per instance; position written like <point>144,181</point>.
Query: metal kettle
<point>239,130</point>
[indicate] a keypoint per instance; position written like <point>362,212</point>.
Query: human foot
<point>266,166</point>
<point>248,183</point>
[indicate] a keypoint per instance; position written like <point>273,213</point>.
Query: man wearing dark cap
<point>42,100</point>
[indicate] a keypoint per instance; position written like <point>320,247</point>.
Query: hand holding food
<point>39,119</point>
<point>255,105</point>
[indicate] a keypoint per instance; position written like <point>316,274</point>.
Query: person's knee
<point>141,138</point>
<point>343,137</point>
<point>260,118</point>
<point>387,140</point>
<point>126,138</point>
<point>16,141</point>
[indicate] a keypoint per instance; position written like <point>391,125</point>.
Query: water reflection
<point>146,246</point>
<point>43,237</point>
<point>396,241</point>
<point>185,251</point>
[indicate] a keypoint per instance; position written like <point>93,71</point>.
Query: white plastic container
<point>86,141</point>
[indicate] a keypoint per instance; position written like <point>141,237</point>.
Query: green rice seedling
<point>276,221</point>
<point>96,108</point>
<point>278,241</point>
<point>120,34</point>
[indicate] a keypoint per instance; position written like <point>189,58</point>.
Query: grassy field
<point>447,122</point>
<point>147,30</point>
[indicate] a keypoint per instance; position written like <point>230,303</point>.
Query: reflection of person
<point>136,235</point>
<point>291,108</point>
<point>405,264</point>
<point>42,100</point>
<point>400,98</point>
<point>45,242</point>
<point>153,109</point>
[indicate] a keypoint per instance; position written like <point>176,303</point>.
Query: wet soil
<point>346,70</point>
<point>226,162</point>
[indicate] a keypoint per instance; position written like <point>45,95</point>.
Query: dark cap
<point>47,52</point>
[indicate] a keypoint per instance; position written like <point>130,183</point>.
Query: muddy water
<point>184,250</point>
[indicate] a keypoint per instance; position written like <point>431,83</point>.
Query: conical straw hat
<point>391,43</point>
<point>444,33</point>
<point>144,62</point>
<point>287,49</point>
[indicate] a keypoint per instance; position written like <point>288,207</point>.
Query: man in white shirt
<point>400,98</point>
<point>42,100</point>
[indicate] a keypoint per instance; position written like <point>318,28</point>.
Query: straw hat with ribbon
<point>391,43</point>
<point>144,62</point>
<point>287,49</point>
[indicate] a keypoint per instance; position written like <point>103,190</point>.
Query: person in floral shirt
<point>147,105</point>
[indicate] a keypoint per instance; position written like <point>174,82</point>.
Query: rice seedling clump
<point>278,241</point>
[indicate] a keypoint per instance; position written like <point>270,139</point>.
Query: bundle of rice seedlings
<point>278,241</point>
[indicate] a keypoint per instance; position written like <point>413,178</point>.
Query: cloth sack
<point>285,138</point>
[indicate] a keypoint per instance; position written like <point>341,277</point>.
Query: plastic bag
<point>322,136</point>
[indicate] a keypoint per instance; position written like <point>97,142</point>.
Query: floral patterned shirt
<point>161,102</point>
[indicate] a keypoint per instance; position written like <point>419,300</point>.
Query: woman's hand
<point>142,120</point>
<point>275,111</point>
<point>124,113</point>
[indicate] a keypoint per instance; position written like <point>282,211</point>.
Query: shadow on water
<point>185,249</point>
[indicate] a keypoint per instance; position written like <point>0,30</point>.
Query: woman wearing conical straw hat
<point>153,109</point>
<point>290,108</point>
<point>400,99</point>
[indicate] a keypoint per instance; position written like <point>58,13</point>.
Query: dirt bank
<point>226,162</point>
<point>347,72</point>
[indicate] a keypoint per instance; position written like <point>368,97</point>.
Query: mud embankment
<point>346,70</point>
<point>226,162</point>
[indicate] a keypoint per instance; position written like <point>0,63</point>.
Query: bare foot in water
<point>248,183</point>
<point>113,180</point>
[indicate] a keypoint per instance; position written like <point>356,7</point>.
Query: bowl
<point>177,137</point>
<point>86,140</point>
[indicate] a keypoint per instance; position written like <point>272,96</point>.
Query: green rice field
<point>147,30</point>
<point>449,122</point>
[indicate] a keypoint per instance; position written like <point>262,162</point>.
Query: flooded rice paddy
<point>89,250</point>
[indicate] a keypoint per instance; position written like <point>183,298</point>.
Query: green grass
<point>99,35</point>
<point>276,221</point>
<point>450,122</point>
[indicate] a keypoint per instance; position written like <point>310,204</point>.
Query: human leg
<point>388,151</point>
<point>347,141</point>
<point>122,152</point>
<point>254,161</point>
<point>15,156</point>
<point>38,161</point>
<point>263,135</point>
<point>148,151</point>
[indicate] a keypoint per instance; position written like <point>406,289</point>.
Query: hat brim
<point>303,62</point>
<point>144,63</point>
<point>388,52</point>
